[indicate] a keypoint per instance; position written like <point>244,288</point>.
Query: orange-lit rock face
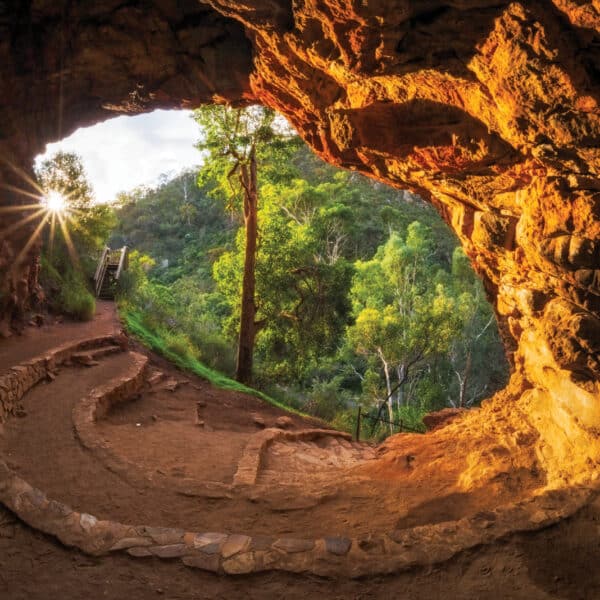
<point>488,109</point>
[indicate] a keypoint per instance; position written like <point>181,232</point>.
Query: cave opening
<point>499,131</point>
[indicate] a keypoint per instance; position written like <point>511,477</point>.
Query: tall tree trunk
<point>463,382</point>
<point>388,383</point>
<point>401,371</point>
<point>248,308</point>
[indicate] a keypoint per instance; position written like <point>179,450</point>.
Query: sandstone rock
<point>240,564</point>
<point>169,551</point>
<point>441,418</point>
<point>156,377</point>
<point>338,545</point>
<point>258,421</point>
<point>291,545</point>
<point>211,540</point>
<point>85,359</point>
<point>163,536</point>
<point>207,562</point>
<point>170,385</point>
<point>126,543</point>
<point>459,105</point>
<point>284,422</point>
<point>235,543</point>
<point>139,552</point>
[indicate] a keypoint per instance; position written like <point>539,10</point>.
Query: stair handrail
<point>101,270</point>
<point>101,262</point>
<point>122,262</point>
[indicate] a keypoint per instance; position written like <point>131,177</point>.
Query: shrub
<point>326,399</point>
<point>178,343</point>
<point>76,300</point>
<point>67,291</point>
<point>215,351</point>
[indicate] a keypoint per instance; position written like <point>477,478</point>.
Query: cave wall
<point>489,109</point>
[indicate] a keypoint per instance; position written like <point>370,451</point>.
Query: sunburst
<point>49,208</point>
<point>55,202</point>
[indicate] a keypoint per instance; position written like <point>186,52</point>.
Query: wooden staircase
<point>111,265</point>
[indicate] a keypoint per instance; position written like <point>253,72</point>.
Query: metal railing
<point>101,270</point>
<point>123,262</point>
<point>400,425</point>
<point>115,258</point>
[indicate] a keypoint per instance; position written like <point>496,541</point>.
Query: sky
<point>125,152</point>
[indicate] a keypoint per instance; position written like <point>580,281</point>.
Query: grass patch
<point>178,354</point>
<point>68,292</point>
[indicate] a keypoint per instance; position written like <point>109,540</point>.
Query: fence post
<point>358,423</point>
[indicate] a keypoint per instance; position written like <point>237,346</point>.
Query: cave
<point>489,110</point>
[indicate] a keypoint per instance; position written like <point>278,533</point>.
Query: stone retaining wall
<point>254,451</point>
<point>101,399</point>
<point>236,554</point>
<point>17,381</point>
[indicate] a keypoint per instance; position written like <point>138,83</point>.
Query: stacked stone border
<point>18,380</point>
<point>235,553</point>
<point>256,448</point>
<point>98,404</point>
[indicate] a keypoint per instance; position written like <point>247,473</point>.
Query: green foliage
<point>229,135</point>
<point>76,300</point>
<point>67,292</point>
<point>178,224</point>
<point>73,238</point>
<point>326,399</point>
<point>178,349</point>
<point>302,302</point>
<point>353,279</point>
<point>420,328</point>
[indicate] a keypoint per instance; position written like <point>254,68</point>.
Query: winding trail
<point>42,448</point>
<point>35,341</point>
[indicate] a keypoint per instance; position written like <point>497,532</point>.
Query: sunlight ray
<point>18,190</point>
<point>26,177</point>
<point>18,224</point>
<point>23,174</point>
<point>52,233</point>
<point>32,238</point>
<point>21,207</point>
<point>68,241</point>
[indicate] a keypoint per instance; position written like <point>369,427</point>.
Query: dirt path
<point>163,460</point>
<point>159,437</point>
<point>36,340</point>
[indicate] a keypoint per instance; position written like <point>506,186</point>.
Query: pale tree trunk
<point>388,384</point>
<point>401,370</point>
<point>462,381</point>
<point>248,307</point>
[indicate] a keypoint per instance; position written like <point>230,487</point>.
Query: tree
<point>475,353</point>
<point>234,139</point>
<point>83,226</point>
<point>404,312</point>
<point>301,301</point>
<point>77,229</point>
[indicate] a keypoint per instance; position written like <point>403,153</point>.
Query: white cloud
<point>125,152</point>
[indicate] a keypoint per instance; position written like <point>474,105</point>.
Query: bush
<point>76,300</point>
<point>214,350</point>
<point>67,292</point>
<point>326,399</point>
<point>179,344</point>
